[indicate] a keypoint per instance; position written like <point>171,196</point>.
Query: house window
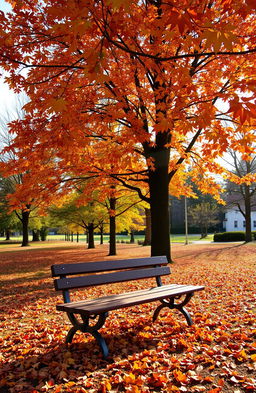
<point>254,224</point>
<point>235,223</point>
<point>244,224</point>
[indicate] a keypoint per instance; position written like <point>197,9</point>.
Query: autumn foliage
<point>216,354</point>
<point>131,90</point>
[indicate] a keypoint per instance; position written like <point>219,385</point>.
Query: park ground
<point>216,354</point>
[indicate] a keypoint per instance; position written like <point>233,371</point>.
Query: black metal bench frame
<point>89,274</point>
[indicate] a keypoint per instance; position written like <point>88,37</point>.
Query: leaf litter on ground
<point>216,354</point>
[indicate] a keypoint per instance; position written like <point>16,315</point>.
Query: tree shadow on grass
<point>193,254</point>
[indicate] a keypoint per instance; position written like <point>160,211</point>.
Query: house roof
<point>235,199</point>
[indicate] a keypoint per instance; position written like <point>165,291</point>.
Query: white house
<point>234,220</point>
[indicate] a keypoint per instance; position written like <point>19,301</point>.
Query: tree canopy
<point>131,90</point>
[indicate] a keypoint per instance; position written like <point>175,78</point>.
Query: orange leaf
<point>179,376</point>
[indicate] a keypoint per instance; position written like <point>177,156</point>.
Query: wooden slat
<point>99,279</point>
<point>108,303</point>
<point>125,294</point>
<point>101,266</point>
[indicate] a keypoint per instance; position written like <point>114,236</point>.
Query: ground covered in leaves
<point>216,354</point>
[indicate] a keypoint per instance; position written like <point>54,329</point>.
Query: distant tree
<point>203,215</point>
<point>241,189</point>
<point>125,207</point>
<point>131,215</point>
<point>74,215</point>
<point>122,206</point>
<point>8,220</point>
<point>16,185</point>
<point>39,226</point>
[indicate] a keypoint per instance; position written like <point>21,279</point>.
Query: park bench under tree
<point>90,274</point>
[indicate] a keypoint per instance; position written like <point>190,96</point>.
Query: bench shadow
<point>64,363</point>
<point>70,362</point>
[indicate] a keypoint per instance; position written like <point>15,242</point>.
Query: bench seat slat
<point>100,279</point>
<point>121,295</point>
<point>113,302</point>
<point>101,266</point>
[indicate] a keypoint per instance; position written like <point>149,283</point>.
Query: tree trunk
<point>248,227</point>
<point>91,236</point>
<point>147,240</point>
<point>24,220</point>
<point>101,235</point>
<point>77,237</point>
<point>132,237</point>
<point>35,235</point>
<point>159,205</point>
<point>7,234</point>
<point>112,227</point>
<point>43,233</point>
<point>202,230</point>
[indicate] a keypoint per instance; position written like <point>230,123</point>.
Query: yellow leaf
<point>253,357</point>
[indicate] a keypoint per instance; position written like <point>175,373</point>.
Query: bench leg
<point>178,306</point>
<point>70,334</point>
<point>102,344</point>
<point>85,327</point>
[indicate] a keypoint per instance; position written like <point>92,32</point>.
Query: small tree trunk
<point>77,237</point>
<point>202,231</point>
<point>35,235</point>
<point>24,220</point>
<point>132,237</point>
<point>91,236</point>
<point>101,235</point>
<point>7,234</point>
<point>247,216</point>
<point>43,233</point>
<point>147,240</point>
<point>112,227</point>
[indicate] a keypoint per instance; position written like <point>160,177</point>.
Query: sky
<point>7,97</point>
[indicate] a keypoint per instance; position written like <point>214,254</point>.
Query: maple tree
<point>124,211</point>
<point>88,217</point>
<point>21,193</point>
<point>39,226</point>
<point>130,90</point>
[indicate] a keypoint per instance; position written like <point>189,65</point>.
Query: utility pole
<point>186,220</point>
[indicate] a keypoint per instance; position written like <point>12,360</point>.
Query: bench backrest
<point>87,274</point>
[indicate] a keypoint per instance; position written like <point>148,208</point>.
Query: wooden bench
<point>90,274</point>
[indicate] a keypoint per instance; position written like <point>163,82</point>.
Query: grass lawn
<point>54,240</point>
<point>216,354</point>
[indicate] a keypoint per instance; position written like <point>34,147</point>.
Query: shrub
<point>229,237</point>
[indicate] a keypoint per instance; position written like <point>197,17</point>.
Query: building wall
<point>234,221</point>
